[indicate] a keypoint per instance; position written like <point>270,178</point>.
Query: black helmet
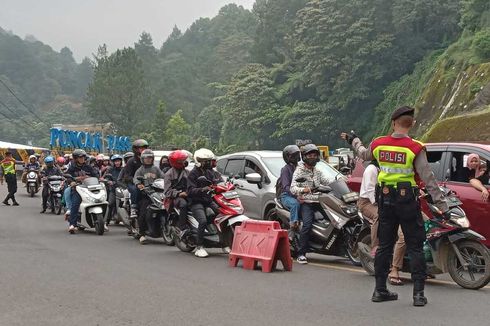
<point>139,143</point>
<point>147,153</point>
<point>291,154</point>
<point>78,153</point>
<point>308,149</point>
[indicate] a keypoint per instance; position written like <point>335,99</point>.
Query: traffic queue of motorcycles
<point>338,229</point>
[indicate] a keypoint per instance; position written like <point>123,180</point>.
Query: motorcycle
<point>94,204</point>
<point>111,186</point>
<point>451,246</point>
<point>32,184</point>
<point>56,187</point>
<point>336,225</point>
<point>221,225</point>
<point>123,206</point>
<point>155,215</point>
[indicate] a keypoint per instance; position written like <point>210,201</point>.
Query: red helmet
<point>178,159</point>
<point>60,160</point>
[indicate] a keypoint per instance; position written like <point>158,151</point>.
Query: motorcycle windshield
<point>90,182</point>
<point>340,188</point>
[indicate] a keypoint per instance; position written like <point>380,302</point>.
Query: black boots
<point>15,203</point>
<point>6,202</point>
<point>419,300</point>
<point>381,295</point>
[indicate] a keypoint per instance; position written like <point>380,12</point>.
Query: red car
<point>447,160</point>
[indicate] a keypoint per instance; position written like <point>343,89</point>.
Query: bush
<point>481,44</point>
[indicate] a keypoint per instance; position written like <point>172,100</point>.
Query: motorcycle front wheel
<point>183,246</point>
<point>364,251</point>
<point>57,206</point>
<point>99,224</point>
<point>32,191</point>
<point>167,232</point>
<point>477,258</point>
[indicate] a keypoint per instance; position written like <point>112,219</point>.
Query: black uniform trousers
<point>11,180</point>
<point>394,210</point>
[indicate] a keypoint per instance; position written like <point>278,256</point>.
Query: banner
<point>69,139</point>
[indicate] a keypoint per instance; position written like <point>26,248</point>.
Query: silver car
<point>258,195</point>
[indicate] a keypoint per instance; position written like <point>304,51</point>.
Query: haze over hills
<point>262,78</point>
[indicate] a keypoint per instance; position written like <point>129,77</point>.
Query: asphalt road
<point>48,277</point>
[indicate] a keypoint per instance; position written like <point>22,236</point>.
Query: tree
<point>177,133</point>
<point>119,92</point>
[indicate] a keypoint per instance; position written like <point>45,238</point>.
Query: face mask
<point>207,165</point>
<point>312,161</point>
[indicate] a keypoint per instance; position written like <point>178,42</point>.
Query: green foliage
<point>177,133</point>
<point>119,91</point>
<point>481,44</point>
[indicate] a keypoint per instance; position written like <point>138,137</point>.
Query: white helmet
<point>203,154</point>
<point>32,156</point>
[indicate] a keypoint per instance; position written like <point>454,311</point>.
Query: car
<point>258,198</point>
<point>446,160</point>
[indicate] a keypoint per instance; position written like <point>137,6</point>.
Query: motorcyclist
<point>165,164</point>
<point>176,187</point>
<point>33,164</point>
<point>199,194</point>
<point>303,190</point>
<point>68,158</point>
<point>127,156</point>
<point>128,172</point>
<point>79,170</point>
<point>113,171</point>
<point>48,170</point>
<point>146,174</point>
<point>291,155</point>
<point>106,163</point>
<point>60,163</point>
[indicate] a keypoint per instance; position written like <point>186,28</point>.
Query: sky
<point>83,25</point>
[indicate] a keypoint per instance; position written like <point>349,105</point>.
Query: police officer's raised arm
<point>364,153</point>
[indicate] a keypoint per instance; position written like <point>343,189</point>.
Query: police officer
<point>7,170</point>
<point>400,159</point>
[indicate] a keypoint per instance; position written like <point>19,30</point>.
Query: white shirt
<point>368,184</point>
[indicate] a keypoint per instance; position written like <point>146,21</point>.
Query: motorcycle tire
<point>167,233</point>
<point>99,224</point>
<point>182,245</point>
<point>478,257</point>
<point>367,262</point>
<point>32,191</point>
<point>272,216</point>
<point>57,206</point>
<point>354,256</point>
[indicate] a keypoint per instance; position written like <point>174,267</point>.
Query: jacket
<point>150,174</point>
<point>175,182</point>
<point>194,189</point>
<point>314,178</point>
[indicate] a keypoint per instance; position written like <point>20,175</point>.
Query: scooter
<point>221,225</point>
<point>123,205</point>
<point>336,224</point>
<point>56,185</point>
<point>94,204</point>
<point>32,184</point>
<point>155,215</point>
<point>451,246</point>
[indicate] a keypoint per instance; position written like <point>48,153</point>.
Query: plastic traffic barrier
<point>261,242</point>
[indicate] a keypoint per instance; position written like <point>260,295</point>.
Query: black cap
<point>404,110</point>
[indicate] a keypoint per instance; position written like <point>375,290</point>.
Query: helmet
<point>178,159</point>
<point>139,143</point>
<point>60,160</point>
<point>127,156</point>
<point>99,157</point>
<point>291,154</point>
<point>91,159</point>
<point>116,157</point>
<point>308,149</point>
<point>67,157</point>
<point>78,153</point>
<point>49,159</point>
<point>203,156</point>
<point>32,157</point>
<point>147,153</point>
<point>106,158</point>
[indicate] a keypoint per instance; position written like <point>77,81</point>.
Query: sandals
<point>396,281</point>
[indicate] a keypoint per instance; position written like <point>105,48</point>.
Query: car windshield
<point>275,164</point>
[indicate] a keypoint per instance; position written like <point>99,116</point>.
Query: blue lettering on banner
<point>69,139</point>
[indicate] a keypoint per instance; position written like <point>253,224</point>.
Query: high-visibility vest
<point>396,158</point>
<point>8,166</point>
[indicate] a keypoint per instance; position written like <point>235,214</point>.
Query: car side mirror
<point>253,178</point>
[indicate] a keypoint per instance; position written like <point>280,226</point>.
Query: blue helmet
<point>116,157</point>
<point>49,159</point>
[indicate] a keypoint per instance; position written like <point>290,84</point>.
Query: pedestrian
<point>400,159</point>
<point>7,171</point>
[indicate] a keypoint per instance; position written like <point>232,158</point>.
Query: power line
<point>15,115</point>
<point>11,120</point>
<point>18,99</point>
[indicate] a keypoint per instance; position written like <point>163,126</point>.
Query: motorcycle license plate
<point>231,195</point>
